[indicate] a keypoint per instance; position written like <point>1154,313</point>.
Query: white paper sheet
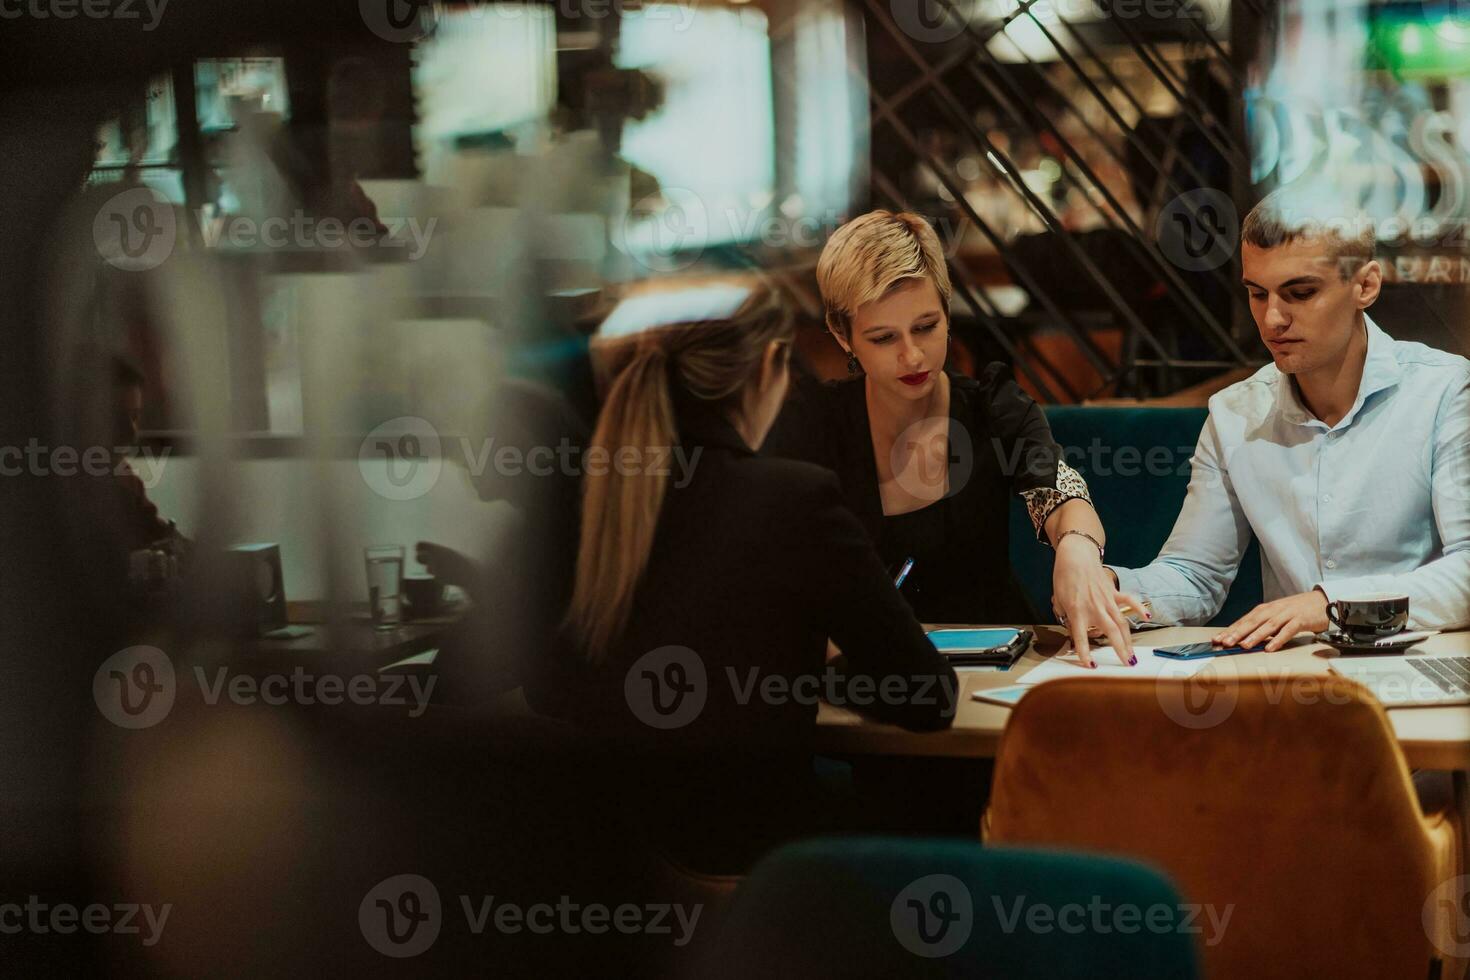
<point>424,659</point>
<point>1066,664</point>
<point>1002,695</point>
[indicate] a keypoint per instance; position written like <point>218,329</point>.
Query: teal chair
<point>888,907</point>
<point>1136,463</point>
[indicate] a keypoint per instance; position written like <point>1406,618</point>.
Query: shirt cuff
<point>1338,588</point>
<point>1041,501</point>
<point>1127,580</point>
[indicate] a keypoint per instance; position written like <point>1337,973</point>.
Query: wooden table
<point>1432,738</point>
<point>344,638</point>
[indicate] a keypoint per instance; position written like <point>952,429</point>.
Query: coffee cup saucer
<point>1343,643</point>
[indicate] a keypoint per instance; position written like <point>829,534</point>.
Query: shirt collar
<point>1380,371</point>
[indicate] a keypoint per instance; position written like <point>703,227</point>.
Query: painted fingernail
<point>1133,660</point>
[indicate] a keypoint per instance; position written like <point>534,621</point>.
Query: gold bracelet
<point>1095,542</point>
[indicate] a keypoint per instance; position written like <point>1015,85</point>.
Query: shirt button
<point>1331,563</point>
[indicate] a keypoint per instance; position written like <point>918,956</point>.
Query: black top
<point>921,535</point>
<point>705,708</point>
<point>755,563</point>
<point>999,444</point>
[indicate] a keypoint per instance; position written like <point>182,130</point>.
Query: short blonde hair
<point>1290,214</point>
<point>870,256</point>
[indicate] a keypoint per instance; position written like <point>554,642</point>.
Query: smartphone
<point>1199,651</point>
<point>903,573</point>
<point>1144,625</point>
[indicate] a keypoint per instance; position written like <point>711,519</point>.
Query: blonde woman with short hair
<point>928,458</point>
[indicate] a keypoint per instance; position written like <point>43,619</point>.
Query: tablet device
<point>981,647</point>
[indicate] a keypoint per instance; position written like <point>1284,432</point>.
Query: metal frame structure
<point>1150,363</point>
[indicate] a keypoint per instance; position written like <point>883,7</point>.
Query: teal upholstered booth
<point>1136,463</point>
<point>881,907</point>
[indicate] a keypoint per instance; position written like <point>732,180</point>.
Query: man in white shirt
<point>1348,457</point>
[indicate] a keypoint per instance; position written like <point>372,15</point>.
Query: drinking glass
<point>385,584</point>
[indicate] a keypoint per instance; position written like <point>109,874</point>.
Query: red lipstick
<point>914,379</point>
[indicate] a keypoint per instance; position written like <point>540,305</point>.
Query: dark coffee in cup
<point>1369,617</point>
<point>423,595</point>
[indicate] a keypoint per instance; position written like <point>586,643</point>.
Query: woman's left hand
<point>1085,598</point>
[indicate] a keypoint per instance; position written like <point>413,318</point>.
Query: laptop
<point>1412,680</point>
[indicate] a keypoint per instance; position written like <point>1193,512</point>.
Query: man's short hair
<point>873,254</point>
<point>1290,214</point>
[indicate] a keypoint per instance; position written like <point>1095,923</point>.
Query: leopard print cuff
<point>1041,501</point>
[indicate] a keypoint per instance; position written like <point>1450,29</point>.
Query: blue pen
<point>903,573</point>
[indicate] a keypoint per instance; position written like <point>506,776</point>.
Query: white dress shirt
<point>1379,502</point>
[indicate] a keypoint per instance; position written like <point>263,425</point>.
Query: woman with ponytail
<point>709,579</point>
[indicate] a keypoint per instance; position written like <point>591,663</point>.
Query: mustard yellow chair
<point>1291,807</point>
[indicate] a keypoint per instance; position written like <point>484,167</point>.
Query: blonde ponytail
<point>710,358</point>
<point>620,511</point>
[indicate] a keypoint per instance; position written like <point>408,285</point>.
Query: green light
<point>1423,46</point>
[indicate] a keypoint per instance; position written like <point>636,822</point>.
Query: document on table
<point>1066,664</point>
<point>425,659</point>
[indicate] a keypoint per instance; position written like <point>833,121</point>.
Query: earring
<point>852,363</point>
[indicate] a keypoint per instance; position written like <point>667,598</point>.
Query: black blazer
<point>755,563</point>
<point>1000,444</point>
